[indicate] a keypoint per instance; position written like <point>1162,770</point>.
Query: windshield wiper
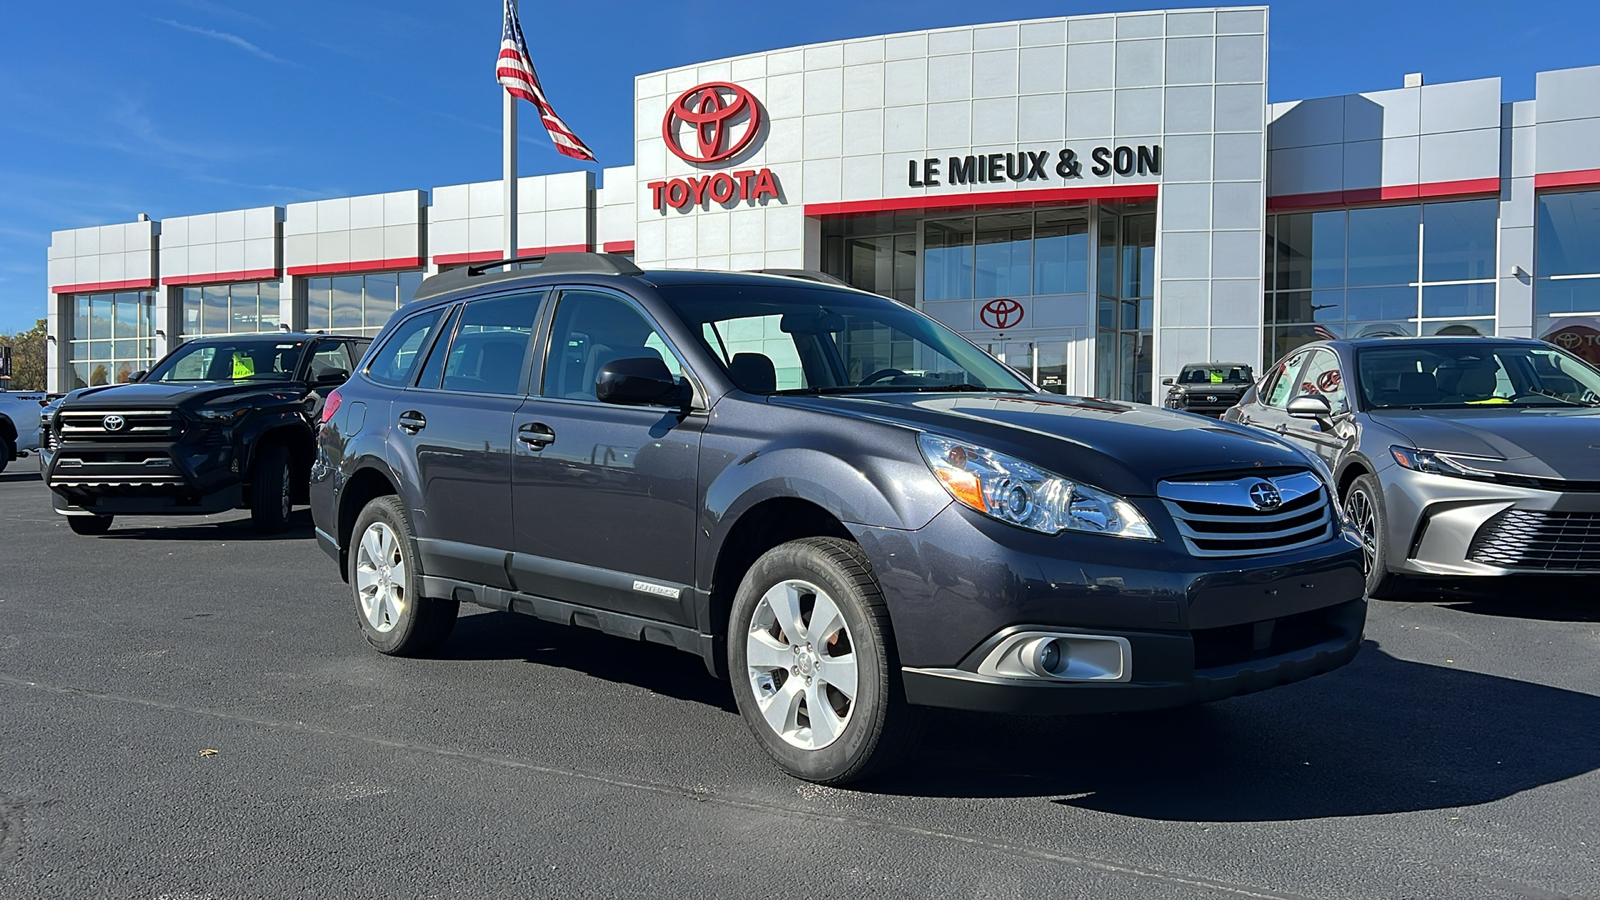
<point>897,389</point>
<point>1563,398</point>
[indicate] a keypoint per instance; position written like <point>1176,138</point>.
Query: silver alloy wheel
<point>801,663</point>
<point>1359,506</point>
<point>284,500</point>
<point>381,577</point>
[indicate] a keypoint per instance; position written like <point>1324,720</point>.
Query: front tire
<point>89,525</point>
<point>1363,502</point>
<point>7,450</point>
<point>271,488</point>
<point>812,659</point>
<point>386,583</point>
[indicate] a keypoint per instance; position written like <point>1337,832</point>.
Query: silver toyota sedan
<point>1453,456</point>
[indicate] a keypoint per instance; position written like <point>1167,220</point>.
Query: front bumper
<point>1446,526</point>
<point>141,478</point>
<point>1197,629</point>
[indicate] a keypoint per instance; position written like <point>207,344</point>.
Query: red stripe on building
<point>368,265</point>
<point>618,247</point>
<point>91,287</point>
<point>483,256</point>
<point>986,199</point>
<point>1469,188</point>
<point>1579,178</point>
<point>223,277</point>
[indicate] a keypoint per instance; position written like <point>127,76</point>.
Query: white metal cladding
<point>552,211</point>
<point>371,229</point>
<point>216,244</point>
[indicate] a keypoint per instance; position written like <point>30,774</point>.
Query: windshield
<point>1223,374</point>
<point>254,360</point>
<point>1474,374</point>
<point>801,339</point>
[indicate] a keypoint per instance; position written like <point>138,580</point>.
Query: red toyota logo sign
<point>1001,314</point>
<point>713,111</point>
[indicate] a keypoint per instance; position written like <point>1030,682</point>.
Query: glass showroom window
<point>357,304</point>
<point>112,337</point>
<point>244,308</point>
<point>1013,254</point>
<point>1566,266</point>
<point>874,253</point>
<point>1124,310</point>
<point>1414,269</point>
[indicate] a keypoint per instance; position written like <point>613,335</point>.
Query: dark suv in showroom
<point>219,423</point>
<point>842,506</point>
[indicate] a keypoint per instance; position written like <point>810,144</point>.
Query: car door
<point>604,496</point>
<point>453,430</point>
<point>1268,412</point>
<point>1323,376</point>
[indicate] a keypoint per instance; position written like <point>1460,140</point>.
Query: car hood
<point>186,394</point>
<point>1121,447</point>
<point>1544,443</point>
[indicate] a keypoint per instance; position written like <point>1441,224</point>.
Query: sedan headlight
<point>1017,493</point>
<point>1433,462</point>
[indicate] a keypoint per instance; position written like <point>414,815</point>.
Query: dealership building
<point>1095,199</point>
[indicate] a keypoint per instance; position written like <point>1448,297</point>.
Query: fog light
<point>1044,656</point>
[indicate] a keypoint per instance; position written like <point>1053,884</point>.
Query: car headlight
<point>1433,462</point>
<point>1017,493</point>
<point>221,415</point>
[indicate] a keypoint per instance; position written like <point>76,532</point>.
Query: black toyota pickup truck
<point>1208,388</point>
<point>220,423</point>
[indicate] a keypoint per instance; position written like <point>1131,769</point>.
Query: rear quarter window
<point>400,355</point>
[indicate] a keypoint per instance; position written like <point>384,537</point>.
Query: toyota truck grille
<point>1249,515</point>
<point>120,425</point>
<point>1536,539</point>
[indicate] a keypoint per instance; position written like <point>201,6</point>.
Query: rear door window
<point>1283,379</point>
<point>489,350</point>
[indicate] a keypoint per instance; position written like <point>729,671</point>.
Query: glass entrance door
<point>1049,362</point>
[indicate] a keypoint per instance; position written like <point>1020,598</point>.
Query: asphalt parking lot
<point>1455,758</point>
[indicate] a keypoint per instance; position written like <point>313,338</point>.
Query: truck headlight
<point>221,415</point>
<point>1018,493</point>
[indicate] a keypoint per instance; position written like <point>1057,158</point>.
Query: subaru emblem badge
<point>1265,496</point>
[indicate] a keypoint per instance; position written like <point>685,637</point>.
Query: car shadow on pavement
<point>233,528</point>
<point>10,477</point>
<point>660,669</point>
<point>1550,599</point>
<point>1383,735</point>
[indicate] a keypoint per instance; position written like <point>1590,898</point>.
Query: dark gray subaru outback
<point>839,504</point>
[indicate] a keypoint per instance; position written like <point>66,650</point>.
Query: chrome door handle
<point>536,435</point>
<point>412,421</point>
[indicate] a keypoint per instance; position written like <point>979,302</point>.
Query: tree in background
<point>28,369</point>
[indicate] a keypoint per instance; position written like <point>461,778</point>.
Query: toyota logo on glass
<point>713,123</point>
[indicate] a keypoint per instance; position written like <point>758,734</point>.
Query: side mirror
<point>332,378</point>
<point>639,381</point>
<point>1310,406</point>
<point>1169,381</point>
<point>137,376</point>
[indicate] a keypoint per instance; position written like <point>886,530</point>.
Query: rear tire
<point>1364,504</point>
<point>809,633</point>
<point>270,490</point>
<point>386,583</point>
<point>89,525</point>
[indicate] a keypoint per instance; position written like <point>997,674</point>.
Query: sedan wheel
<point>386,583</point>
<point>1363,502</point>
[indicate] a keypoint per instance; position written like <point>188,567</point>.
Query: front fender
<point>247,439</point>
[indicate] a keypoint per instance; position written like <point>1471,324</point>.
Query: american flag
<point>515,70</point>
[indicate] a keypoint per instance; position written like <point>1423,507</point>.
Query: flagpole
<point>508,190</point>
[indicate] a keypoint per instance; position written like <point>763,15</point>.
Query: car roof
<point>1216,365</point>
<point>598,268</point>
<point>273,336</point>
<point>1436,339</point>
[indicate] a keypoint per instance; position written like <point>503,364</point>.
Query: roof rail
<point>549,264</point>
<point>805,275</point>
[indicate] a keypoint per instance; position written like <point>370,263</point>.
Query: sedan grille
<point>1236,516</point>
<point>1535,539</point>
<point>119,425</point>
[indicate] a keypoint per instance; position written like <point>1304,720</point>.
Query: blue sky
<point>173,107</point>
